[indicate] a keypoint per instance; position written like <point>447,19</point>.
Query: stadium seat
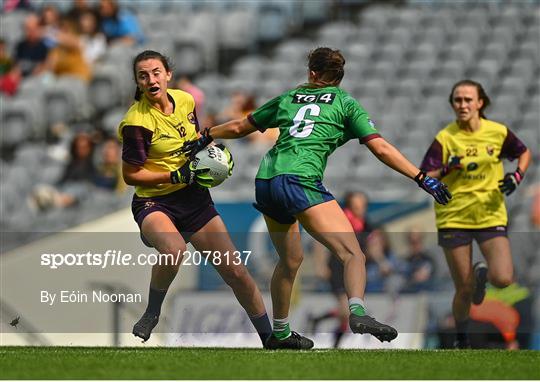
<point>501,33</point>
<point>523,67</point>
<point>12,22</point>
<point>391,53</point>
<point>529,49</point>
<point>314,12</point>
<point>249,67</point>
<point>294,50</point>
<point>334,34</point>
<point>369,87</point>
<point>357,53</point>
<point>107,89</point>
<point>66,100</point>
<point>236,29</point>
<point>272,23</point>
<point>382,71</point>
<point>18,122</point>
<point>189,57</point>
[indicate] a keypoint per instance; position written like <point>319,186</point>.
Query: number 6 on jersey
<point>302,127</point>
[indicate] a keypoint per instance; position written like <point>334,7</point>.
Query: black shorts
<point>189,209</point>
<point>456,237</point>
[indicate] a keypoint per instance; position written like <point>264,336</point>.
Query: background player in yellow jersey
<point>467,154</point>
<point>169,205</point>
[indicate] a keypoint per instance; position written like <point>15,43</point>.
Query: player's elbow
<point>130,181</point>
<point>129,173</point>
<point>380,148</point>
<point>237,128</point>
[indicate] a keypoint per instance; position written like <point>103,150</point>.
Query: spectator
<point>383,268</point>
<point>73,185</point>
<point>241,104</point>
<point>419,267</point>
<point>184,83</point>
<point>50,22</point>
<point>109,168</point>
<point>67,58</point>
<point>94,42</point>
<point>31,51</point>
<point>80,166</point>
<point>13,5</point>
<point>79,8</point>
<point>119,25</point>
<point>9,75</point>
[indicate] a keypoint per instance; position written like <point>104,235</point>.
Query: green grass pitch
<point>209,363</point>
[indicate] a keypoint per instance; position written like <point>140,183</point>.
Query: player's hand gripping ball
<point>218,160</point>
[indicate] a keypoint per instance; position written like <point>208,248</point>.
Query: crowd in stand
<point>66,44</point>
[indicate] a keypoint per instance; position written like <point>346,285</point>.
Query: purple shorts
<point>456,237</point>
<point>189,209</point>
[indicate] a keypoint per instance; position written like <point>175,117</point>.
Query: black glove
<point>434,187</point>
<point>186,174</point>
<point>511,180</point>
<point>190,148</point>
<point>454,163</point>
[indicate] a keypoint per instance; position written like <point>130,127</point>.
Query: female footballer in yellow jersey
<point>169,205</point>
<point>467,154</point>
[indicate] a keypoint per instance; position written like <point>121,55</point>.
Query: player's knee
<point>501,281</point>
<point>170,246</point>
<point>236,275</point>
<point>292,263</point>
<point>347,255</point>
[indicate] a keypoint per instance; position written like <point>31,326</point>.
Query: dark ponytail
<point>328,64</point>
<point>147,55</point>
<point>481,94</point>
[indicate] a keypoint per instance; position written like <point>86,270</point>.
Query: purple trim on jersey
<point>197,128</point>
<point>170,97</point>
<point>433,158</point>
<point>369,137</point>
<point>136,143</point>
<point>512,147</point>
<point>254,123</point>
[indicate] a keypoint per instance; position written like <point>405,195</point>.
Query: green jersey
<point>313,122</point>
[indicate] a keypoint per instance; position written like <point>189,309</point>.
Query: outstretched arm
<point>236,128</point>
<point>394,159</point>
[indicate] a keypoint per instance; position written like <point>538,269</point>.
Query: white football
<point>216,160</point>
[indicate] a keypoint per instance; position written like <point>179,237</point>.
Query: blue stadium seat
<point>272,23</point>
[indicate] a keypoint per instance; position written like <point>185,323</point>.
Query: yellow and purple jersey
<point>477,201</point>
<point>152,140</point>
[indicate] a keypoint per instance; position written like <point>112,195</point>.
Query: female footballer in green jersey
<point>468,155</point>
<point>314,119</point>
<point>170,205</point>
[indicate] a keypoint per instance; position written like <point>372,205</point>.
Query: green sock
<point>356,306</point>
<point>281,328</point>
